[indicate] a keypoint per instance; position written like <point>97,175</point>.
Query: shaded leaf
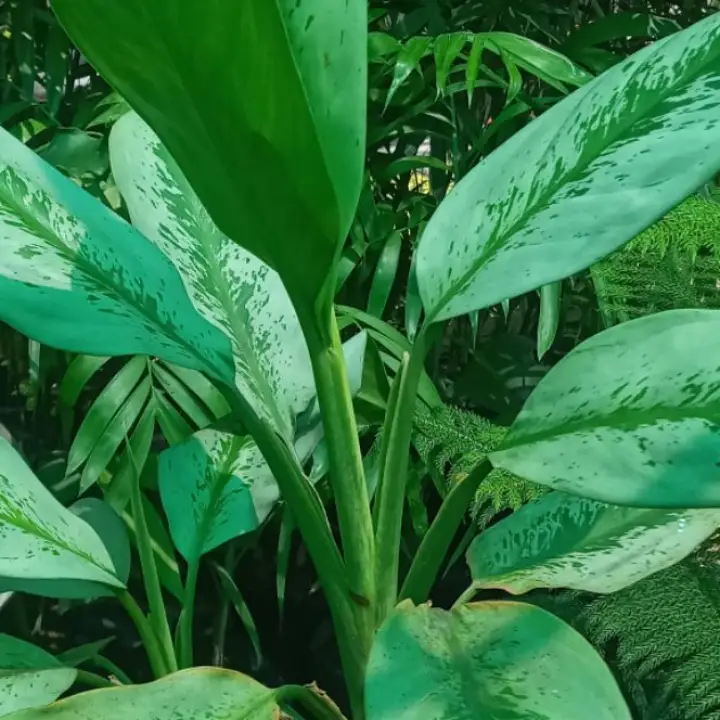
<point>384,276</point>
<point>408,59</point>
<point>110,529</point>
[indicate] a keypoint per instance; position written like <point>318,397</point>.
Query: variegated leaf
<point>581,180</point>
<point>484,660</point>
<point>207,693</point>
<point>563,541</point>
<point>75,276</point>
<point>216,486</point>
<point>629,417</point>
<point>209,487</point>
<point>27,689</point>
<point>228,286</point>
<point>46,549</point>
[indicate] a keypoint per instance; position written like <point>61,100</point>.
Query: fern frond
<point>451,442</point>
<point>673,264</point>
<point>661,634</point>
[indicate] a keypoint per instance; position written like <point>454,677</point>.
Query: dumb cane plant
<point>241,171</point>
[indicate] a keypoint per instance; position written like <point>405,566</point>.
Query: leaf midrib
<point>495,244</point>
<point>76,259</point>
<point>633,419</point>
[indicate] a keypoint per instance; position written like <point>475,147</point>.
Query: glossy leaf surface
<point>47,550</point>
<point>208,693</point>
<point>564,541</point>
<point>277,87</point>
<point>486,660</point>
<point>641,137</point>
<point>629,417</point>
<point>233,290</point>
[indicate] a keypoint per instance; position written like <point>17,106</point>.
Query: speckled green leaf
<point>233,290</point>
<point>29,676</point>
<point>208,485</point>
<point>261,103</point>
<point>216,486</point>
<point>486,660</point>
<point>584,178</point>
<point>564,541</point>
<point>25,690</point>
<point>207,693</point>
<point>630,417</point>
<point>46,549</point>
<point>75,276</point>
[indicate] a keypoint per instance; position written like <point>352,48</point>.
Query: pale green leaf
<point>629,417</point>
<point>28,689</point>
<point>576,183</point>
<point>563,541</point>
<point>229,287</point>
<point>486,660</point>
<point>47,550</point>
<point>207,693</point>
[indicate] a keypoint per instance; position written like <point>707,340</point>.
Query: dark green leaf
<point>281,89</point>
<point>110,529</point>
<point>231,592</point>
<point>446,49</point>
<point>385,273</point>
<point>408,59</point>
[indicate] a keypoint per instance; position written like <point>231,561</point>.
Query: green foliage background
<point>661,635</point>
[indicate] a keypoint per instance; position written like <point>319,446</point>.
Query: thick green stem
<point>185,634</point>
<point>435,544</point>
<point>348,482</point>
<point>391,491</point>
<point>312,522</point>
<point>151,579</point>
<point>155,654</point>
